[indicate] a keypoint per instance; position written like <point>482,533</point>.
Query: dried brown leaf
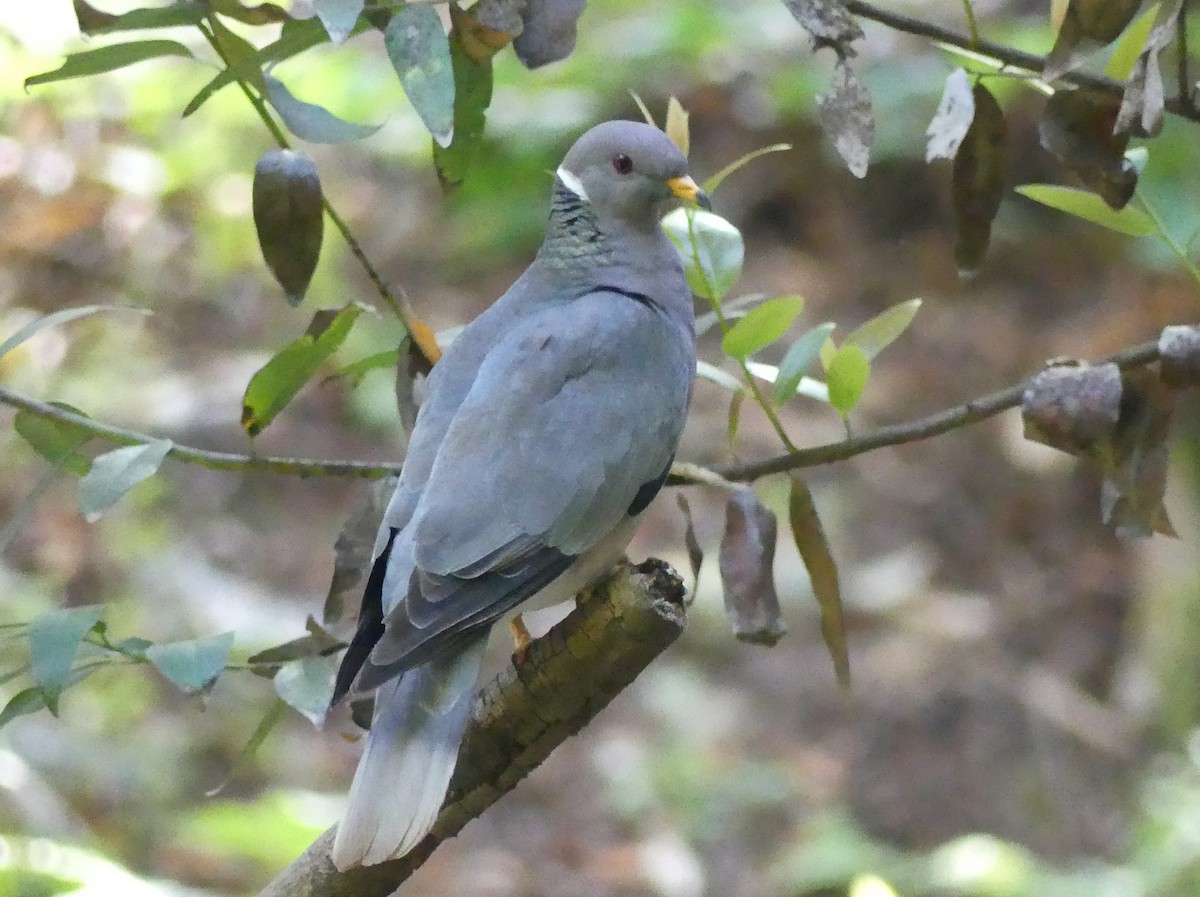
<point>1179,352</point>
<point>1135,481</point>
<point>827,21</point>
<point>1074,409</point>
<point>1143,101</point>
<point>847,119</point>
<point>694,551</point>
<point>1078,128</point>
<point>822,572</point>
<point>978,180</point>
<point>746,559</point>
<point>355,547</point>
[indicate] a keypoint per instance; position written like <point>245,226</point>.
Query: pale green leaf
<point>338,17</point>
<point>711,250</point>
<point>307,685</point>
<point>420,53</point>
<point>115,473</point>
<point>1129,46</point>
<point>847,378</point>
<point>761,326</point>
<point>882,330</point>
<point>53,640</point>
<point>55,318</point>
<point>1090,207</point>
<point>309,121</point>
<point>194,664</point>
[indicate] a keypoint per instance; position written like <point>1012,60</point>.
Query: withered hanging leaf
<point>1074,409</point>
<point>478,39</point>
<point>355,546</point>
<point>289,218</point>
<point>694,551</point>
<point>1142,103</point>
<point>746,559</point>
<point>1087,26</point>
<point>548,34</point>
<point>1131,497</point>
<point>501,15</point>
<point>978,179</point>
<point>952,119</point>
<point>1077,127</point>
<point>1179,355</point>
<point>828,21</point>
<point>472,94</point>
<point>822,572</point>
<point>847,119</point>
<point>317,640</point>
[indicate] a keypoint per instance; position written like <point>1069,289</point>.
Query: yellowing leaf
<point>847,378</point>
<point>822,572</point>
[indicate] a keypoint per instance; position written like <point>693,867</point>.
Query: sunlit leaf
<point>1129,47</point>
<point>1090,207</point>
<point>110,58</point>
<point>710,247</point>
<point>746,561</point>
<point>276,383</point>
<point>192,665</point>
<point>307,685</point>
<point>884,329</point>
<point>847,378</point>
<point>53,641</point>
<point>115,473</point>
<point>55,440</point>
<point>420,53</point>
<point>54,319</point>
<point>338,16</point>
<point>952,119</point>
<point>677,125</point>
<point>978,179</point>
<point>309,121</point>
<point>289,218</point>
<point>798,360</point>
<point>472,95</point>
<point>814,550</point>
<point>846,118</point>
<point>761,326</point>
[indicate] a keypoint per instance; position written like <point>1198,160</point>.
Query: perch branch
<point>1177,105</point>
<point>566,678</point>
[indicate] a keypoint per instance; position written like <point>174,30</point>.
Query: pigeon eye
<point>622,164</point>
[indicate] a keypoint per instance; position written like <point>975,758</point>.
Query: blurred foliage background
<point>1024,715</point>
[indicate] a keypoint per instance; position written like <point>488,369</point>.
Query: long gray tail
<point>405,769</point>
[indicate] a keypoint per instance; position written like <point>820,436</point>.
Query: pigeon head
<point>628,170</point>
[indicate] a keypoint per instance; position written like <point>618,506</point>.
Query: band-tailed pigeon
<point>548,426</point>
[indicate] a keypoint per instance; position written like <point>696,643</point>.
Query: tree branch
<point>934,425</point>
<point>1178,105</point>
<point>565,679</point>
<point>303,467</point>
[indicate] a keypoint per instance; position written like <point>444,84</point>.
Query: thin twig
<point>914,431</point>
<point>1180,106</point>
<point>302,467</point>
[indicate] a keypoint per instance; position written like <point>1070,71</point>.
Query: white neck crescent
<point>572,182</point>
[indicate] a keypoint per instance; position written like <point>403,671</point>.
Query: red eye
<point>622,164</point>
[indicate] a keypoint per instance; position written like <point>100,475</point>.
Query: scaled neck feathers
<point>573,232</point>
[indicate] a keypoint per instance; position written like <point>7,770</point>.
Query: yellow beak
<point>689,191</point>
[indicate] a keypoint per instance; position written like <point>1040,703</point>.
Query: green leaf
<point>55,440</point>
<point>1129,47</point>
<point>847,378</point>
<point>472,95</point>
<point>762,326</point>
<point>53,640</point>
<point>1090,207</point>
<point>420,53</point>
<point>23,703</point>
<point>192,665</point>
<point>107,59</point>
<point>338,17</point>
<point>307,685</point>
<point>238,53</point>
<point>56,318</point>
<point>93,21</point>
<point>710,247</point>
<point>356,370</point>
<point>882,330</point>
<point>309,121</point>
<point>715,181</point>
<point>276,383</point>
<point>797,361</point>
<point>115,473</point>
<point>296,36</point>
